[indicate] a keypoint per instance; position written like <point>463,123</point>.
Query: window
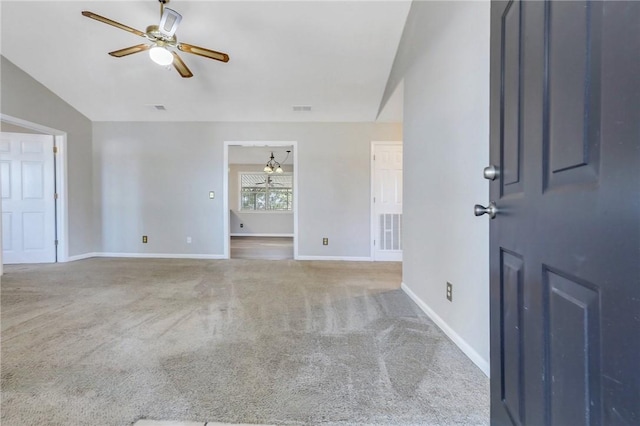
<point>266,192</point>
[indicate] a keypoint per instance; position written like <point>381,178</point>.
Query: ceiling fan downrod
<point>162,3</point>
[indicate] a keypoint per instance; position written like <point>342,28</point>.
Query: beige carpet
<point>114,341</point>
<point>174,423</point>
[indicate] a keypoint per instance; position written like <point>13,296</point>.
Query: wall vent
<point>302,108</point>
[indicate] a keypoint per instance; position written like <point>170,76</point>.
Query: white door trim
<point>62,203</point>
<point>372,211</point>
<point>225,187</point>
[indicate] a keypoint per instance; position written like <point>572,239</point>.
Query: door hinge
<point>374,243</point>
<point>56,242</point>
<point>374,157</point>
<point>55,196</point>
<point>374,199</point>
<point>55,149</point>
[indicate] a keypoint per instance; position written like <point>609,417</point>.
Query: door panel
<point>387,201</point>
<point>32,180</point>
<point>7,226</point>
<point>511,141</point>
<point>5,179</point>
<point>573,85</point>
<point>28,204</point>
<point>33,231</point>
<point>565,275</point>
<point>512,367</point>
<point>574,342</point>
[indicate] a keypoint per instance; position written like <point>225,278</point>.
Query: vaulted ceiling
<point>334,56</point>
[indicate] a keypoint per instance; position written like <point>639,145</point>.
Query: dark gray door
<point>565,244</point>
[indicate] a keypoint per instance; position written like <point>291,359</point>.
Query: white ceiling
<point>332,55</point>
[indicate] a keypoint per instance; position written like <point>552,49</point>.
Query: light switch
<point>212,195</point>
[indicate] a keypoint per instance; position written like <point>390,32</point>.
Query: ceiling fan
<point>269,181</point>
<point>161,41</point>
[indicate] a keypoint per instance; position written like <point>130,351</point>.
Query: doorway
<point>386,201</point>
<point>58,179</point>
<point>260,204</point>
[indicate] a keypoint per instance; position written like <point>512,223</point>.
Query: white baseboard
<point>261,235</point>
<point>79,257</point>
<point>146,256</point>
<point>342,258</point>
<point>202,256</point>
<point>163,255</point>
<point>474,356</point>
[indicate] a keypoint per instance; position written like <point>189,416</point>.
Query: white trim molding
<point>163,255</point>
<point>204,256</point>
<point>471,353</point>
<point>82,257</point>
<point>147,256</point>
<point>262,235</point>
<point>340,258</point>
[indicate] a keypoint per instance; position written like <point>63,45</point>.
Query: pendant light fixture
<point>273,165</point>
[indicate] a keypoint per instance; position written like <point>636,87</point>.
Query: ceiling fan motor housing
<point>154,34</point>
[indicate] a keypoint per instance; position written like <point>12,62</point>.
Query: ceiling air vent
<point>302,108</point>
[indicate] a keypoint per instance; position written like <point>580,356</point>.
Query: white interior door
<point>387,201</point>
<point>28,205</point>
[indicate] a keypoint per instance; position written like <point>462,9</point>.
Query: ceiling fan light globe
<point>161,56</point>
<point>268,169</point>
<point>279,170</point>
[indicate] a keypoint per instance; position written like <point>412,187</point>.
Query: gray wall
<point>444,61</point>
<point>154,179</point>
<point>26,99</point>
<point>255,222</point>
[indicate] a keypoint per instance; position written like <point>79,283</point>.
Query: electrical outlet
<point>450,292</point>
<point>188,240</point>
<point>144,239</point>
<point>325,241</point>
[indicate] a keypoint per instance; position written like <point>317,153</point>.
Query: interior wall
<point>26,99</point>
<point>444,61</point>
<point>280,223</point>
<point>154,179</point>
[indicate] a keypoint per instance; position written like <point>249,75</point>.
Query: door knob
<point>491,172</point>
<point>491,210</point>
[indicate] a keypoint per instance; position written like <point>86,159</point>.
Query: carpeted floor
<point>113,341</point>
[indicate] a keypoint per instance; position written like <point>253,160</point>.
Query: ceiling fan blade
<point>201,51</point>
<point>180,66</point>
<point>111,22</point>
<point>130,50</point>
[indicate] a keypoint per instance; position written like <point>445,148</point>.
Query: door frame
<point>372,215</point>
<point>60,167</point>
<point>225,189</point>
